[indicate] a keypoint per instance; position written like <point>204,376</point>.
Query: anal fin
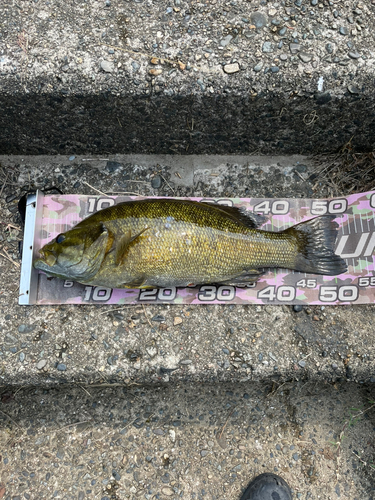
<point>246,278</point>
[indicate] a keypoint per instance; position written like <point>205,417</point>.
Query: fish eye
<point>60,238</point>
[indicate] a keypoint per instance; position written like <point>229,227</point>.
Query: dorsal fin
<point>250,219</point>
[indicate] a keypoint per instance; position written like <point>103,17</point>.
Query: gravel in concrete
<point>208,441</point>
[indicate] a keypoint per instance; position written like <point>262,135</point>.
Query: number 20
<point>162,294</point>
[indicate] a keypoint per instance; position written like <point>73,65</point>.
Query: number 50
<point>321,207</point>
<point>347,293</point>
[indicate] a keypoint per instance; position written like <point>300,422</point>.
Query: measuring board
<point>49,215</point>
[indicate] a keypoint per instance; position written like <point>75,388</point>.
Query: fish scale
<point>167,242</point>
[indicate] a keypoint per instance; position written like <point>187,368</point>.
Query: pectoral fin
<point>123,245</point>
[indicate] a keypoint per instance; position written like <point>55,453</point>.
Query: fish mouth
<point>47,257</point>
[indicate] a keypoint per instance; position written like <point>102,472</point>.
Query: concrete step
<point>48,345</point>
<point>191,442</point>
<point>143,77</point>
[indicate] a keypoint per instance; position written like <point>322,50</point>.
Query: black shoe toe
<point>267,487</point>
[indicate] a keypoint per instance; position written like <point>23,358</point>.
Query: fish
<point>159,243</point>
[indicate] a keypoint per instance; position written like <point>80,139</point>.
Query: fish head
<point>76,254</point>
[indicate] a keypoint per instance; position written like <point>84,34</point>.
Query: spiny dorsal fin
<point>123,245</point>
<point>250,219</point>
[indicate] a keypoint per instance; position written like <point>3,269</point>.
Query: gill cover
<point>76,254</point>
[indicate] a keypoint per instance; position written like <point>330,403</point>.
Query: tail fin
<point>316,243</point>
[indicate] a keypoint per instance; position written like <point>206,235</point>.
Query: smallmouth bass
<point>167,242</point>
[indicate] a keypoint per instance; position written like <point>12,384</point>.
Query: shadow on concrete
<point>105,124</point>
